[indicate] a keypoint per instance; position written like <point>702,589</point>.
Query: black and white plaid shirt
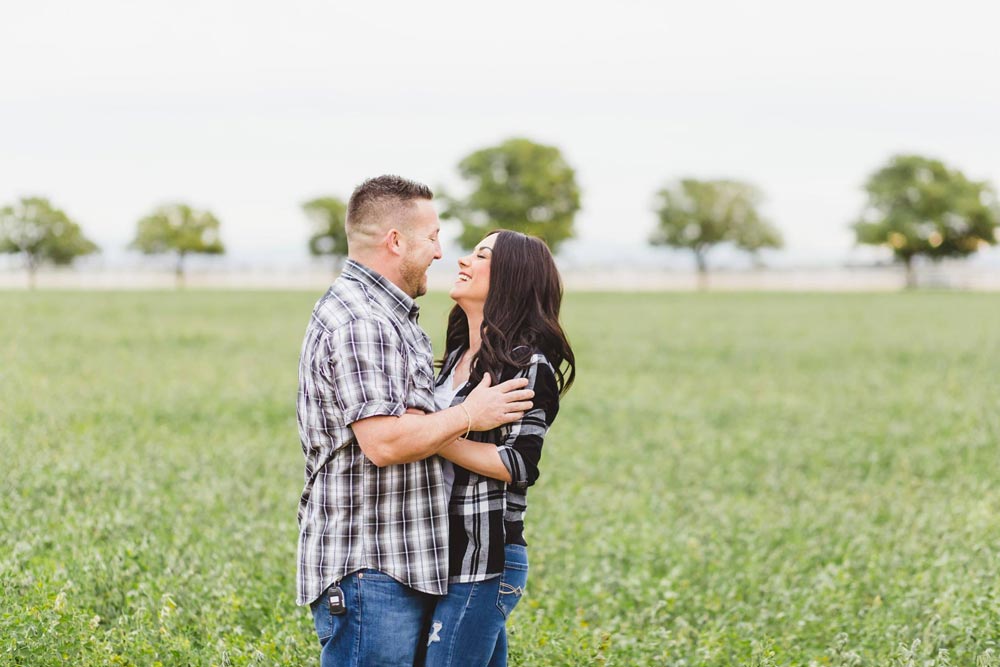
<point>485,514</point>
<point>364,355</point>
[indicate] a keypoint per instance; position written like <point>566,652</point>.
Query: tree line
<point>916,206</point>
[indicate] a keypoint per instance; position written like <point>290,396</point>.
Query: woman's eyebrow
<point>484,247</point>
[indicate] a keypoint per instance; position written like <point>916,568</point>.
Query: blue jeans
<point>385,624</point>
<point>468,627</point>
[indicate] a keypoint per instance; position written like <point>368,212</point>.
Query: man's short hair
<point>380,200</point>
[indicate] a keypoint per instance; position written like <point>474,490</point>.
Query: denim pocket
<point>322,618</point>
<point>514,578</point>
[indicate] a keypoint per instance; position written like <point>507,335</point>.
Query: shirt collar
<point>393,299</point>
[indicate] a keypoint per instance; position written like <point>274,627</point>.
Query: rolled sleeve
<point>368,370</point>
<point>521,449</point>
<point>516,466</point>
<point>373,409</point>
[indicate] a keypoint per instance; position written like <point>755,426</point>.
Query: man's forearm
<point>388,440</point>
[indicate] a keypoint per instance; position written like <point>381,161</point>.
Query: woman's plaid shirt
<point>485,514</point>
<point>364,355</point>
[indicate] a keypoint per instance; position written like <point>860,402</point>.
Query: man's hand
<point>490,407</point>
<point>388,440</point>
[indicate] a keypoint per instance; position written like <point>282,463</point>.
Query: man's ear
<point>393,241</point>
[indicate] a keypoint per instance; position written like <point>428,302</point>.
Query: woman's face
<point>473,283</point>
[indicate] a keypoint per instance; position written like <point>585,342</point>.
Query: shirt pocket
<point>420,367</point>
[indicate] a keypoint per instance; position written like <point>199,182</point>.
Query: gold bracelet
<point>466,411</point>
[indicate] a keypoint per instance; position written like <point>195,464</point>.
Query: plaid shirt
<point>364,355</point>
<point>485,514</point>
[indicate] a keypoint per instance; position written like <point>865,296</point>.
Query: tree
<point>42,233</point>
<point>699,215</point>
<point>327,215</point>
<point>180,229</point>
<point>519,185</point>
<point>918,206</point>
<point>754,235</point>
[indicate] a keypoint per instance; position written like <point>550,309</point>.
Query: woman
<point>505,323</point>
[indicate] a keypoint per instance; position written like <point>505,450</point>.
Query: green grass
<point>756,479</point>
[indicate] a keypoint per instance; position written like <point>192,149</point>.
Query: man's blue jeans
<point>468,626</point>
<point>385,625</point>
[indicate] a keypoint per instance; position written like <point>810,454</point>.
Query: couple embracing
<point>411,548</point>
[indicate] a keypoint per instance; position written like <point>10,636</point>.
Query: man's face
<point>421,248</point>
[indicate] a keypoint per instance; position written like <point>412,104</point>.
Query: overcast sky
<point>250,108</point>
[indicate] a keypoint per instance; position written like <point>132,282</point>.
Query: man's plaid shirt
<point>364,355</point>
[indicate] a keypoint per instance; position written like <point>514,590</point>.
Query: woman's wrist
<point>468,416</point>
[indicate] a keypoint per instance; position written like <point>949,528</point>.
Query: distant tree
<point>42,233</point>
<point>327,215</point>
<point>180,229</point>
<point>519,185</point>
<point>918,206</point>
<point>699,215</point>
<point>754,235</point>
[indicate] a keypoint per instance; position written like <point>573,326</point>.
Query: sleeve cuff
<point>372,409</point>
<point>515,466</point>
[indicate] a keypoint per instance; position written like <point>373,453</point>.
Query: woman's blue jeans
<point>468,627</point>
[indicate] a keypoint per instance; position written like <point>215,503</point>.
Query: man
<point>373,517</point>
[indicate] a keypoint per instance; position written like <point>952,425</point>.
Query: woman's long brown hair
<point>521,313</point>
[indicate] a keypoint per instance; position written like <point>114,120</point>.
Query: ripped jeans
<point>468,626</point>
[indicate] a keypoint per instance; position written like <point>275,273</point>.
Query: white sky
<point>110,107</point>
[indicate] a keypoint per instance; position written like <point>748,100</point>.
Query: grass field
<point>735,480</point>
